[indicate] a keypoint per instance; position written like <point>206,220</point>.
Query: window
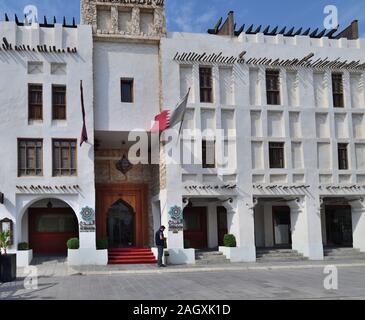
<point>276,154</point>
<point>208,154</point>
<point>273,87</point>
<point>206,85</point>
<point>127,90</point>
<point>59,102</point>
<point>35,102</point>
<point>56,223</point>
<point>343,162</point>
<point>30,157</point>
<point>337,88</point>
<point>64,157</point>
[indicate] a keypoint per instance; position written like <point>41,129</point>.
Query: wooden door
<point>135,196</point>
<point>339,226</point>
<point>282,226</point>
<point>195,228</point>
<point>50,229</point>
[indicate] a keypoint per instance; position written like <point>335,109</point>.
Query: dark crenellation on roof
<point>45,23</point>
<point>229,28</point>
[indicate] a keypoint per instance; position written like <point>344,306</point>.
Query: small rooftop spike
<point>331,32</point>
<point>239,31</point>
<point>321,34</point>
<point>313,34</point>
<point>305,33</point>
<point>282,31</point>
<point>298,32</point>
<point>249,30</point>
<point>73,22</point>
<point>64,21</point>
<point>274,32</point>
<point>16,20</point>
<point>267,29</point>
<point>6,17</point>
<point>290,32</point>
<point>54,20</point>
<point>216,27</point>
<point>258,29</point>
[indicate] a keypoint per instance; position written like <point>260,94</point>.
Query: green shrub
<point>187,244</point>
<point>102,244</point>
<point>230,241</point>
<point>73,244</point>
<point>23,246</point>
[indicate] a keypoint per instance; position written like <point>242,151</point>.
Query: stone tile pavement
<point>58,267</point>
<point>284,280</point>
<point>250,284</point>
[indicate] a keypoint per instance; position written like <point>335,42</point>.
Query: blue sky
<point>199,15</point>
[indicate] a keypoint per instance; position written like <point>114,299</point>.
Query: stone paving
<point>237,281</point>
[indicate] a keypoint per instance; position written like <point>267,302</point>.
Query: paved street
<point>302,282</point>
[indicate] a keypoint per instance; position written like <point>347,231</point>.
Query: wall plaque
<point>88,220</point>
<point>176,221</point>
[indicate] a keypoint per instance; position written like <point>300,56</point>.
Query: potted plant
<point>24,255</point>
<point>230,241</point>
<point>234,253</point>
<point>7,261</point>
<point>102,244</point>
<point>73,254</point>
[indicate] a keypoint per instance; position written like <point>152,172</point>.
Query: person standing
<point>160,243</point>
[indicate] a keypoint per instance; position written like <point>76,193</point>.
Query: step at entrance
<point>277,255</point>
<point>343,254</point>
<point>210,257</point>
<point>131,256</point>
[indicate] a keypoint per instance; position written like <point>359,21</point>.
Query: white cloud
<point>186,17</point>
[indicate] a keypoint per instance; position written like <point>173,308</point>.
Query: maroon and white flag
<point>84,137</point>
<point>164,121</point>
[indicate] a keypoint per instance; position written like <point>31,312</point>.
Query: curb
<point>215,269</point>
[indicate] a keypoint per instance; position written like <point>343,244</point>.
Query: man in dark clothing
<point>160,243</point>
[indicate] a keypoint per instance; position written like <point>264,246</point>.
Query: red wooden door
<point>50,229</point>
<point>195,227</point>
<point>222,224</point>
<point>135,196</point>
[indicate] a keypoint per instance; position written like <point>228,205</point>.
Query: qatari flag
<point>164,121</point>
<point>84,137</point>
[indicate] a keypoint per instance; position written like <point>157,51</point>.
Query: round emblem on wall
<point>175,213</point>
<point>88,214</point>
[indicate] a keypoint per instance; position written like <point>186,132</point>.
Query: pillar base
<point>239,254</point>
<point>359,246</point>
<point>84,257</point>
<point>311,251</point>
<point>181,256</point>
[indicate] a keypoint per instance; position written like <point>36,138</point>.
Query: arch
<point>48,228</point>
<point>33,201</point>
<point>121,224</point>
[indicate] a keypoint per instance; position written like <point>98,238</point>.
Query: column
<point>212,226</point>
<point>240,213</point>
<point>358,223</point>
<point>306,228</point>
<point>268,225</point>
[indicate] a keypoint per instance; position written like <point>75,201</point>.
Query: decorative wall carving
<point>89,15</point>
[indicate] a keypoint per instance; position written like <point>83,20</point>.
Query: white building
<point>288,173</point>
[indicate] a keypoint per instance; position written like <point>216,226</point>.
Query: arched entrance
<point>51,223</point>
<point>134,196</point>
<point>121,225</point>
